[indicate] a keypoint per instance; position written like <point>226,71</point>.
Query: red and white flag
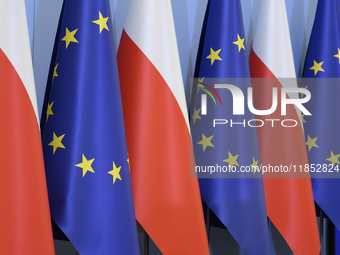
<point>289,201</point>
<point>25,224</point>
<point>167,200</point>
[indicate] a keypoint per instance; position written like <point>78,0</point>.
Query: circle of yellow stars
<point>311,142</point>
<point>85,165</point>
<point>207,141</point>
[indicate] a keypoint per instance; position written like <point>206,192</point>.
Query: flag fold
<point>238,202</point>
<point>321,77</point>
<point>24,211</point>
<point>167,200</point>
<point>289,200</point>
<point>87,164</point>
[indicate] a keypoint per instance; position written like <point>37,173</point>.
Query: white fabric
<point>271,41</point>
<point>150,25</point>
<point>14,42</point>
<point>272,44</point>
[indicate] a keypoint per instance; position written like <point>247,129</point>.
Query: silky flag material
<point>84,142</point>
<point>24,212</point>
<point>167,200</point>
<point>321,129</point>
<point>289,200</point>
<point>238,202</point>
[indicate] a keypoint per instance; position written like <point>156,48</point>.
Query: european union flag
<point>229,143</point>
<point>322,127</point>
<point>84,144</point>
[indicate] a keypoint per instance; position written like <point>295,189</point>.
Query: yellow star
<point>49,110</point>
<point>102,22</point>
<point>196,115</point>
<point>231,160</point>
<point>254,165</point>
<point>239,43</point>
<point>69,37</point>
<point>199,84</point>
<point>214,55</point>
<point>337,55</point>
<point>56,143</point>
<point>55,72</point>
<point>128,160</point>
<point>115,173</point>
<point>200,81</point>
<point>206,141</point>
<point>317,67</point>
<point>334,158</point>
<point>303,118</point>
<point>302,94</point>
<point>311,143</point>
<point>86,165</point>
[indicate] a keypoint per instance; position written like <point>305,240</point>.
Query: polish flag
<point>289,200</point>
<point>25,224</point>
<point>167,200</point>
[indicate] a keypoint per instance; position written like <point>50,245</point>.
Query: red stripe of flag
<point>24,213</point>
<point>167,200</point>
<point>289,201</point>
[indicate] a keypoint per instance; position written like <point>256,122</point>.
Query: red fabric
<point>24,212</point>
<point>167,200</point>
<point>289,200</point>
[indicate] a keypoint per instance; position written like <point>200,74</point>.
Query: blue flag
<point>237,201</point>
<point>322,127</point>
<point>84,142</point>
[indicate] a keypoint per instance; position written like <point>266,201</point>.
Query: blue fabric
<point>238,202</point>
<point>92,205</point>
<point>324,106</point>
